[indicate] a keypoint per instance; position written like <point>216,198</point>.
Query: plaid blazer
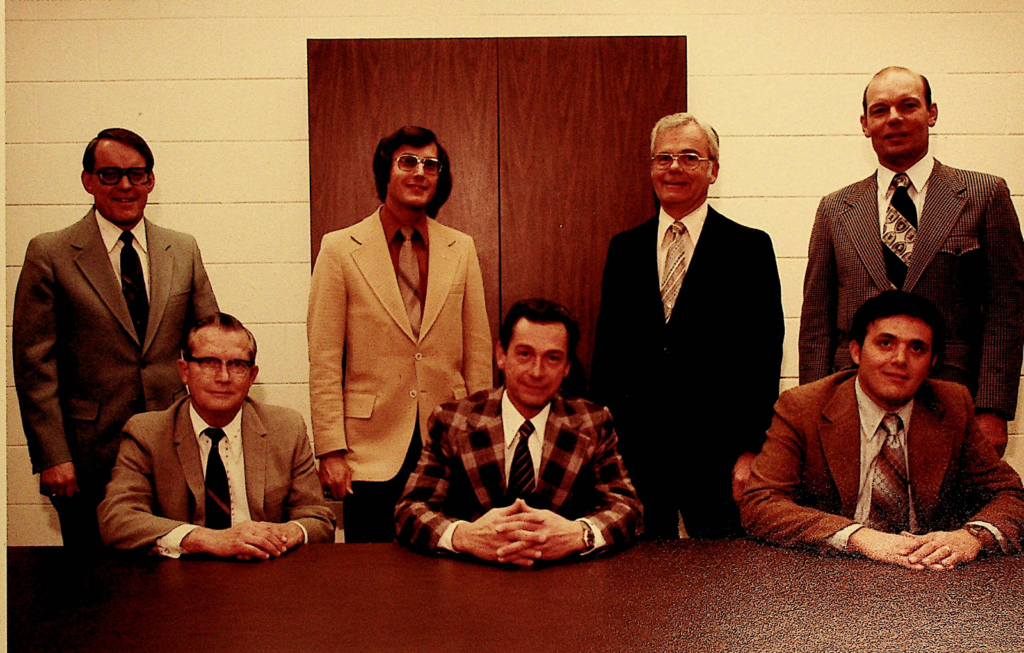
<point>968,260</point>
<point>461,472</point>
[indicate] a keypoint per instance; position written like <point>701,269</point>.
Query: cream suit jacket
<point>369,376</point>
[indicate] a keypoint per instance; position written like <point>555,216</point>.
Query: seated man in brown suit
<point>216,472</point>
<point>883,461</point>
<point>518,473</point>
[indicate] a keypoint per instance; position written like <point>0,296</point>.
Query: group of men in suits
<point>411,436</point>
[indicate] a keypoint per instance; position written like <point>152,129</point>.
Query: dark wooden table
<point>679,596</point>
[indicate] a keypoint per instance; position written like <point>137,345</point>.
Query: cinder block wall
<point>219,91</point>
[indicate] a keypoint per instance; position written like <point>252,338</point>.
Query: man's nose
<point>124,183</point>
<point>900,355</point>
<point>222,372</point>
<point>895,115</point>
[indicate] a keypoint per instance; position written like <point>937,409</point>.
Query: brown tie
<point>409,278</point>
<point>679,246</point>
<point>890,494</point>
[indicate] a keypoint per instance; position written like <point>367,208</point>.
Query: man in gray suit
<point>964,253</point>
<point>100,313</point>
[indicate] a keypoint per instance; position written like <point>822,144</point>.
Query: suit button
<point>412,393</point>
<point>418,356</point>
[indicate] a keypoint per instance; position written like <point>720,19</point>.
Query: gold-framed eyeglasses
<point>409,163</point>
<point>687,160</point>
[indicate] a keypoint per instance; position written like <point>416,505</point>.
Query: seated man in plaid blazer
<point>518,473</point>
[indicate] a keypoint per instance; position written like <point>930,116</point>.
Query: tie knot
<point>678,228</point>
<point>407,233</point>
<point>892,424</point>
<point>900,181</point>
<point>127,237</point>
<point>215,435</point>
<point>526,430</point>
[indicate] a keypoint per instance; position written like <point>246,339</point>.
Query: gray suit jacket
<point>968,260</point>
<point>79,368</point>
<point>158,481</point>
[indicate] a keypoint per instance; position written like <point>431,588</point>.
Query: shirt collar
<point>511,419</point>
<point>233,430</point>
<point>918,173</point>
<point>694,222</point>
<point>871,414</point>
<point>392,225</point>
<point>111,233</point>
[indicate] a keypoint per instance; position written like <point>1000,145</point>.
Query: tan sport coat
<point>369,376</point>
<point>804,484</point>
<point>78,367</point>
<point>158,481</point>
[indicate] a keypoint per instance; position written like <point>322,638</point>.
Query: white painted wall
<point>218,89</point>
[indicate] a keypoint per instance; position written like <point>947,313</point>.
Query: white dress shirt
<point>919,174</point>
<point>111,235</point>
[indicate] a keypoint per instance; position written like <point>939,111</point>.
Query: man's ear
<point>499,355</point>
<point>855,351</point>
<point>183,370</point>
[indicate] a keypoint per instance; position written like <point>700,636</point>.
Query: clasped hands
<point>938,550</point>
<point>519,535</point>
<point>245,541</point>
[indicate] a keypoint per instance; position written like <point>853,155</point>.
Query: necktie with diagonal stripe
<point>521,481</point>
<point>899,231</point>
<point>133,285</point>
<point>675,265</point>
<point>890,488</point>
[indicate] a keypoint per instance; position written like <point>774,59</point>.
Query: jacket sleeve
<point>304,502</point>
<point>476,330</point>
<point>617,512</point>
<point>818,329</point>
<point>325,330</point>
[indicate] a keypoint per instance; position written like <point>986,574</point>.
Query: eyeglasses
<point>209,365</point>
<point>112,176</point>
<point>409,163</point>
<point>687,160</point>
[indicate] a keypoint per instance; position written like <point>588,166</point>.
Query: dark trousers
<point>368,514</point>
<point>79,527</point>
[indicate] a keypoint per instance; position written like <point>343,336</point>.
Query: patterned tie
<point>133,286</point>
<point>679,248</point>
<point>521,477</point>
<point>890,494</point>
<point>899,231</point>
<point>218,496</point>
<point>409,278</point>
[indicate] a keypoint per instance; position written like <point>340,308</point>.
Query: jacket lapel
<point>187,448</point>
<point>840,441</point>
<point>161,271</point>
<point>562,457</point>
<point>93,261</point>
<point>373,259</point>
<point>442,262</point>
<point>254,455</point>
<point>485,461</point>
<point>929,451</point>
<point>943,205</point>
<point>860,219</point>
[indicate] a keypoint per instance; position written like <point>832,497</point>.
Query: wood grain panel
<point>363,89</point>
<point>576,116</point>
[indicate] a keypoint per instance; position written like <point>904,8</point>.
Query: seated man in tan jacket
<point>216,472</point>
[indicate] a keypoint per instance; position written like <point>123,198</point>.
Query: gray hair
<point>680,119</point>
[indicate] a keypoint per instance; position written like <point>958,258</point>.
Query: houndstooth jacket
<point>968,260</point>
<point>461,472</point>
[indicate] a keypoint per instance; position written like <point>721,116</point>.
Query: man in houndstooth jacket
<point>967,256</point>
<point>518,473</point>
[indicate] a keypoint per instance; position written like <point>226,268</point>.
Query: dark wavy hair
<point>129,138</point>
<point>896,302</point>
<point>414,137</point>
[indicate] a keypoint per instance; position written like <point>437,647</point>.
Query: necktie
<point>899,231</point>
<point>409,278</point>
<point>521,477</point>
<point>679,246</point>
<point>133,286</point>
<point>218,497</point>
<point>890,494</point>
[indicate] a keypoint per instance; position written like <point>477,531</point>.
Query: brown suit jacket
<point>158,481</point>
<point>368,375</point>
<point>968,260</point>
<point>79,369</point>
<point>461,472</point>
<point>804,484</point>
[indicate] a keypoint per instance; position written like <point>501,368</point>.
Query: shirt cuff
<point>169,545</point>
<point>996,533</point>
<point>446,537</point>
<point>599,541</point>
<point>305,533</point>
<point>842,538</point>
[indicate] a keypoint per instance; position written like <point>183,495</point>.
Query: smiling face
<point>681,191</point>
<point>411,190</point>
<point>121,203</point>
<point>535,364</point>
<point>217,396</point>
<point>894,360</point>
<point>897,119</point>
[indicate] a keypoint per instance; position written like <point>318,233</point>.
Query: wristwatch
<point>588,537</point>
<point>984,536</point>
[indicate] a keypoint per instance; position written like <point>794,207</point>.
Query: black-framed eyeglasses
<point>409,163</point>
<point>687,160</point>
<point>113,176</point>
<point>210,365</point>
